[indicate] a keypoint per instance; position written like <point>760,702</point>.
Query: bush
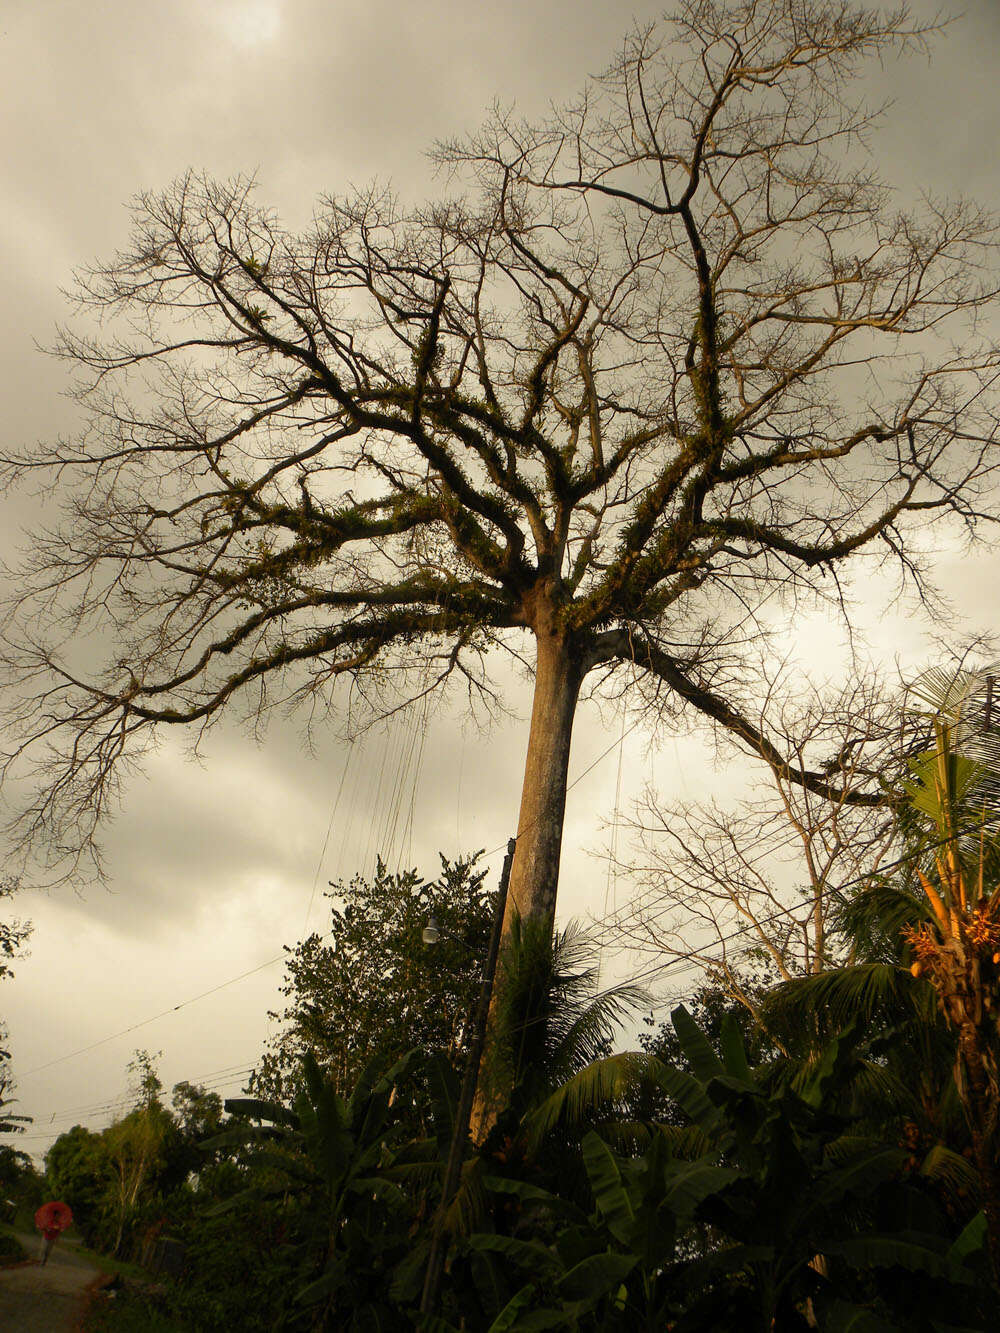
<point>11,1250</point>
<point>128,1311</point>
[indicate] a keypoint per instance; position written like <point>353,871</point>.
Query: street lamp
<point>431,933</point>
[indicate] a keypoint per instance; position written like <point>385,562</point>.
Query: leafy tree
<point>603,396</point>
<point>374,989</point>
<point>78,1172</point>
<point>197,1115</point>
<point>20,1181</point>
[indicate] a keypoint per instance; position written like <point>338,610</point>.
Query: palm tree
<point>925,946</point>
<point>954,796</point>
<point>552,1026</point>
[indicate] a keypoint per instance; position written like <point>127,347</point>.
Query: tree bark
<point>534,879</point>
<point>981,1107</point>
<point>559,671</point>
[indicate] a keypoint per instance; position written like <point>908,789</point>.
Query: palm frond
<point>687,1141</point>
<point>600,1085</point>
<point>592,1028</point>
<point>552,1023</point>
<point>952,1172</point>
<point>467,1210</point>
<point>845,993</point>
<point>874,917</point>
<point>878,1091</point>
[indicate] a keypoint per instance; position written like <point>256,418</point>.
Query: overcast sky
<point>214,867</point>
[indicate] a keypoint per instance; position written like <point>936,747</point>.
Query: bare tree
<point>13,934</point>
<point>637,368</point>
<point>750,887</point>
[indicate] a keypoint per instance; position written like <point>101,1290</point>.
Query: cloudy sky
<point>213,867</point>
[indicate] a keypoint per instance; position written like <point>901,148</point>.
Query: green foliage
<point>20,1182</point>
<point>765,1199</point>
<point>11,1250</point>
<point>376,990</point>
<point>116,1180</point>
<point>12,936</point>
<point>243,1268</point>
<point>334,1153</point>
<point>129,1311</point>
<point>789,1206</point>
<point>712,1007</point>
<point>78,1171</point>
<point>733,1186</point>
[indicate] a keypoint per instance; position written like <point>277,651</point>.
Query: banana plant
<point>789,1220</point>
<point>954,798</point>
<point>333,1152</point>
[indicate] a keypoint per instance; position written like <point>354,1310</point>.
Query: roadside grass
<point>127,1312</point>
<point>107,1263</point>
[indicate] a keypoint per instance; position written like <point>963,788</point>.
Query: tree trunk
<point>559,671</point>
<point>981,1109</point>
<point>535,874</point>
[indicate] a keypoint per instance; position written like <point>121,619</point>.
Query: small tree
<point>668,353</point>
<point>78,1172</point>
<point>375,989</point>
<point>957,945</point>
<point>748,891</point>
<point>136,1145</point>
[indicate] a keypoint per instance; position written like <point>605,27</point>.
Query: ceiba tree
<point>639,367</point>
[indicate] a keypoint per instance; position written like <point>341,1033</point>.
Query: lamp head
<point>431,932</point>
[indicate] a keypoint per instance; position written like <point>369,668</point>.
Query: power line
<point>205,1080</point>
<point>144,1022</point>
<point>689,963</point>
<point>769,844</point>
<point>329,830</point>
<point>44,1130</point>
<point>657,969</point>
<point>617,744</point>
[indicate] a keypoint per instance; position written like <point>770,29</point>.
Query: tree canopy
<point>637,368</point>
<point>370,988</point>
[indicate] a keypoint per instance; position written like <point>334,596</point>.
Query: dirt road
<point>44,1300</point>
